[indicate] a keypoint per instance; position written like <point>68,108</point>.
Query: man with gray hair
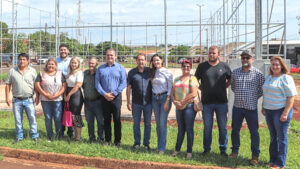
<point>92,101</point>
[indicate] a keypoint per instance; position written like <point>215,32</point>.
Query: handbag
<point>67,116</point>
<point>197,102</point>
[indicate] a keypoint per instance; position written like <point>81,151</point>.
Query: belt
<point>159,94</point>
<point>23,98</point>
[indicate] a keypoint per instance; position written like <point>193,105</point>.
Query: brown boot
<point>254,160</point>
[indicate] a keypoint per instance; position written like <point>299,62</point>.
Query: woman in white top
<point>162,81</point>
<point>74,95</point>
<point>51,85</point>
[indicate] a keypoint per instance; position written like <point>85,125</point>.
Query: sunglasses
<point>185,67</point>
<point>245,57</point>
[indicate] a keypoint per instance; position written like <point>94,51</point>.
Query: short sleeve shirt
<point>74,78</point>
<point>63,65</point>
<point>22,84</point>
<point>276,90</point>
<point>183,88</point>
<point>51,84</point>
<point>213,82</point>
<point>140,85</point>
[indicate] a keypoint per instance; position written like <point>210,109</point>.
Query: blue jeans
<point>53,109</point>
<point>136,113</point>
<point>185,120</point>
<point>161,118</point>
<point>18,107</point>
<point>279,136</point>
<point>92,111</point>
<point>238,115</point>
<point>208,119</point>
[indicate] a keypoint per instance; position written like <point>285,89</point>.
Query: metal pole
<point>166,31</point>
<point>111,24</point>
<point>285,49</point>
<point>57,27</point>
<point>1,38</point>
<point>258,29</point>
<point>13,32</point>
<point>146,41</point>
<point>224,31</point>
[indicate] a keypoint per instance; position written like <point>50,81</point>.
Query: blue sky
<point>140,12</point>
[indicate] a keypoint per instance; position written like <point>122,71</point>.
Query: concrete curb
<point>99,162</point>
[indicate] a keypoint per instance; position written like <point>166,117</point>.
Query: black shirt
<point>213,82</point>
<point>140,85</point>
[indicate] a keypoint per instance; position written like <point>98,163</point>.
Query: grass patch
<point>7,135</point>
<point>1,157</point>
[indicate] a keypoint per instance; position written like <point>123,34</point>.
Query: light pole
<point>166,42</point>
<point>200,31</point>
<point>111,24</point>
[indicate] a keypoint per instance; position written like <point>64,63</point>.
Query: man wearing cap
<point>246,83</point>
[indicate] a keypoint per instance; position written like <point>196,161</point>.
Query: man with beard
<point>62,64</point>
<point>214,77</point>
<point>246,83</point>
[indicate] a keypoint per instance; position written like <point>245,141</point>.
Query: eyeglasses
<point>245,57</point>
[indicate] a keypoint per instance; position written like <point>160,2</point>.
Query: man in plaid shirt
<point>246,83</point>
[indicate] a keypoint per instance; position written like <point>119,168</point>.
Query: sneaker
<point>189,156</point>
<point>254,161</point>
<point>17,140</point>
<point>233,155</point>
<point>136,146</point>
<point>224,154</point>
<point>175,153</point>
<point>147,147</point>
<point>49,140</point>
<point>118,144</point>
<point>161,152</point>
<point>36,140</point>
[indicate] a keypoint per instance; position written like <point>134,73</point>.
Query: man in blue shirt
<point>139,83</point>
<point>110,82</point>
<point>62,64</point>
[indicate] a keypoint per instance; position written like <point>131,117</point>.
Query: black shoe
<point>118,144</point>
<point>147,147</point>
<point>224,154</point>
<point>16,141</point>
<point>205,152</point>
<point>36,140</point>
<point>136,146</point>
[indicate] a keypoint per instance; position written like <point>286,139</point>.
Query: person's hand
<point>129,106</point>
<point>178,105</point>
<point>67,98</point>
<point>8,102</point>
<point>36,100</point>
<point>166,106</point>
<point>109,96</point>
<point>283,117</point>
<point>263,111</point>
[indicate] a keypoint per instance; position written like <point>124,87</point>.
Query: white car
<point>42,60</point>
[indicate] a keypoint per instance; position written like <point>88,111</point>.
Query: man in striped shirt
<point>246,83</point>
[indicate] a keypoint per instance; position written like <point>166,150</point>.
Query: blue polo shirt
<point>110,79</point>
<point>140,85</point>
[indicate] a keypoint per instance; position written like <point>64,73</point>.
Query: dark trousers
<point>112,108</point>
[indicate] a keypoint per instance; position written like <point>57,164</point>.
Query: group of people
<point>153,89</point>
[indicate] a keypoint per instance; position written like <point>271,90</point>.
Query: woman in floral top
<point>51,85</point>
<point>183,93</point>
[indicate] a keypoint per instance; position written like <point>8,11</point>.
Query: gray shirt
<point>22,84</point>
